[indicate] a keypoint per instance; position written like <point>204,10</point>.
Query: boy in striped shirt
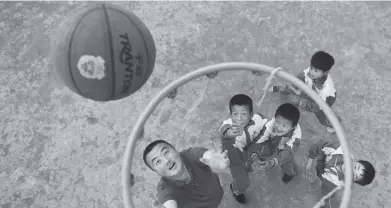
<point>279,142</point>
<point>237,133</point>
<point>330,169</point>
<point>317,77</point>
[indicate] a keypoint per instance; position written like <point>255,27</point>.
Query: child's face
<point>240,114</point>
<point>282,126</point>
<point>358,170</point>
<point>315,73</point>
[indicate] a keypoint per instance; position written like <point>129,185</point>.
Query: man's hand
<point>216,160</point>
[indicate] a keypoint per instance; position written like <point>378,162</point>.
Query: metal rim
<point>231,66</point>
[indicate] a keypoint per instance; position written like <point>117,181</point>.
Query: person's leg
<point>322,118</point>
<point>288,170</point>
<point>288,167</point>
<point>330,202</point>
<point>240,183</point>
<point>241,179</point>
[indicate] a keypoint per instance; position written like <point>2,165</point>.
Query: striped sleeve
<point>301,76</point>
<point>294,142</point>
<point>268,131</point>
<point>225,126</point>
<point>316,149</point>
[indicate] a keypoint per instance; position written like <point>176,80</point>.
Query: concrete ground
<point>59,150</point>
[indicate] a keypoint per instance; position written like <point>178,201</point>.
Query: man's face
<point>282,126</point>
<point>358,170</point>
<point>240,114</point>
<point>165,160</point>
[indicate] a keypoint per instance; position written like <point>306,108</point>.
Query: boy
<point>317,78</point>
<point>237,133</point>
<point>187,177</point>
<point>280,139</point>
<point>330,169</point>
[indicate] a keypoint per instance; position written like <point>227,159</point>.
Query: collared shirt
<point>330,156</point>
<point>324,88</point>
<point>204,190</point>
<point>294,135</point>
<point>251,131</point>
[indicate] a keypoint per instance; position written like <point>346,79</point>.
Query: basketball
<point>103,52</point>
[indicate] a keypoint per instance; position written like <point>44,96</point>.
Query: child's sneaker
<point>330,130</point>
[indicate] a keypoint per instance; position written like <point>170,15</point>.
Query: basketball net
<point>265,90</point>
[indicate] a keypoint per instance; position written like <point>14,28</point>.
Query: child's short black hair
<point>241,99</point>
<point>369,173</point>
<point>322,60</point>
<point>149,148</point>
<point>290,112</point>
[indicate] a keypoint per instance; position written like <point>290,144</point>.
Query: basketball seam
<point>107,19</point>
<point>145,43</point>
<point>70,51</point>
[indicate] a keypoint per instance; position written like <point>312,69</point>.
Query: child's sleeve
<point>293,89</point>
<point>316,149</point>
<point>310,105</point>
<point>255,131</point>
<point>227,124</point>
<point>321,150</point>
<point>268,131</point>
<point>301,76</point>
<point>294,142</point>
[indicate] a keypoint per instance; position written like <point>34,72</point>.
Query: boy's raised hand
<point>217,160</point>
<point>237,129</point>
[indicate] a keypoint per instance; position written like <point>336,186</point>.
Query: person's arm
<point>260,122</point>
<point>316,149</point>
<point>311,106</point>
<point>170,204</point>
<point>296,90</point>
<point>294,142</point>
<point>195,153</point>
<point>316,152</point>
<point>226,129</point>
<point>216,160</point>
<point>288,88</point>
<point>165,196</point>
<point>268,131</point>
